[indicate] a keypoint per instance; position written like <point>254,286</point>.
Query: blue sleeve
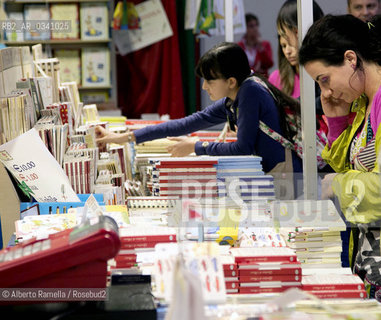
<point>251,101</point>
<point>210,116</point>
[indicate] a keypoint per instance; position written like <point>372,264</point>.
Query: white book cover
<point>37,15</point>
<point>70,65</point>
<point>201,259</point>
<point>37,171</point>
<point>94,21</point>
<point>95,67</point>
<point>15,34</point>
<point>64,18</point>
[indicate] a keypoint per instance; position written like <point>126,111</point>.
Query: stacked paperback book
<point>155,146</point>
<point>191,177</point>
<point>137,240</point>
<point>231,177</point>
<point>193,264</point>
<point>242,177</point>
<point>150,210</point>
<point>261,270</point>
<point>213,136</point>
<point>312,229</point>
<point>316,248</point>
<point>334,286</point>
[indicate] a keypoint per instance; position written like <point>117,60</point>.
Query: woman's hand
<point>326,186</point>
<point>104,136</point>
<point>334,107</point>
<point>183,147</point>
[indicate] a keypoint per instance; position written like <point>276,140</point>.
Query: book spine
<point>190,173</point>
<point>336,294</point>
<point>230,273</point>
<point>333,287</point>
<point>184,166</point>
<point>265,259</point>
<point>149,238</point>
<point>257,290</point>
<point>136,245</point>
<point>125,258</point>
<point>269,278</point>
<point>230,266</point>
<point>279,272</point>
<point>231,284</point>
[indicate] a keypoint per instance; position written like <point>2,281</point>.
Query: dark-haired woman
<point>239,99</point>
<point>342,53</point>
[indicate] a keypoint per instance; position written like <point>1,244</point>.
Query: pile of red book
<point>139,239</point>
<point>192,177</point>
<point>261,270</point>
<point>334,286</point>
<point>213,136</point>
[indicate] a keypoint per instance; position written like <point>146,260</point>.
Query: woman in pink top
<point>286,78</point>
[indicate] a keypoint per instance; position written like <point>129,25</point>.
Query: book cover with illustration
<point>95,67</point>
<point>94,21</point>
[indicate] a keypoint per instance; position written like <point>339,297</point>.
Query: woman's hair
<point>329,38</point>
<point>227,60</point>
<point>250,16</point>
<point>283,102</point>
<point>223,61</point>
<point>288,19</point>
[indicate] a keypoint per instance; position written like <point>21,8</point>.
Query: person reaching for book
<point>342,54</point>
<point>239,97</point>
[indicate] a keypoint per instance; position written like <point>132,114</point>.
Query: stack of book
<point>143,169</point>
<point>263,270</point>
<point>334,286</point>
<point>134,124</point>
<point>139,239</point>
<point>230,274</point>
<point>316,247</point>
<point>313,229</point>
<point>150,210</point>
<point>213,136</point>
<point>190,177</point>
<point>260,237</point>
<point>154,146</point>
<point>242,177</point>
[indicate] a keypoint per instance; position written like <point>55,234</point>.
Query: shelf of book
<point>86,43</point>
<point>95,88</point>
<point>55,42</point>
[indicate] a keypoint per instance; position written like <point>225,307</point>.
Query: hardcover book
<point>64,21</point>
<point>94,21</point>
<point>95,67</point>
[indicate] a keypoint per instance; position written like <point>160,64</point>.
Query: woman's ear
<point>351,57</point>
<point>232,82</point>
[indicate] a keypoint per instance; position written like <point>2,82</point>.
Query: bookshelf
<point>102,93</point>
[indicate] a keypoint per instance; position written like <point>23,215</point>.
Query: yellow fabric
<point>351,250</point>
<point>359,193</point>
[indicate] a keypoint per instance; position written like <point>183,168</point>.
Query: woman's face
<point>252,29</point>
<point>216,89</point>
<point>337,83</point>
<point>289,51</point>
